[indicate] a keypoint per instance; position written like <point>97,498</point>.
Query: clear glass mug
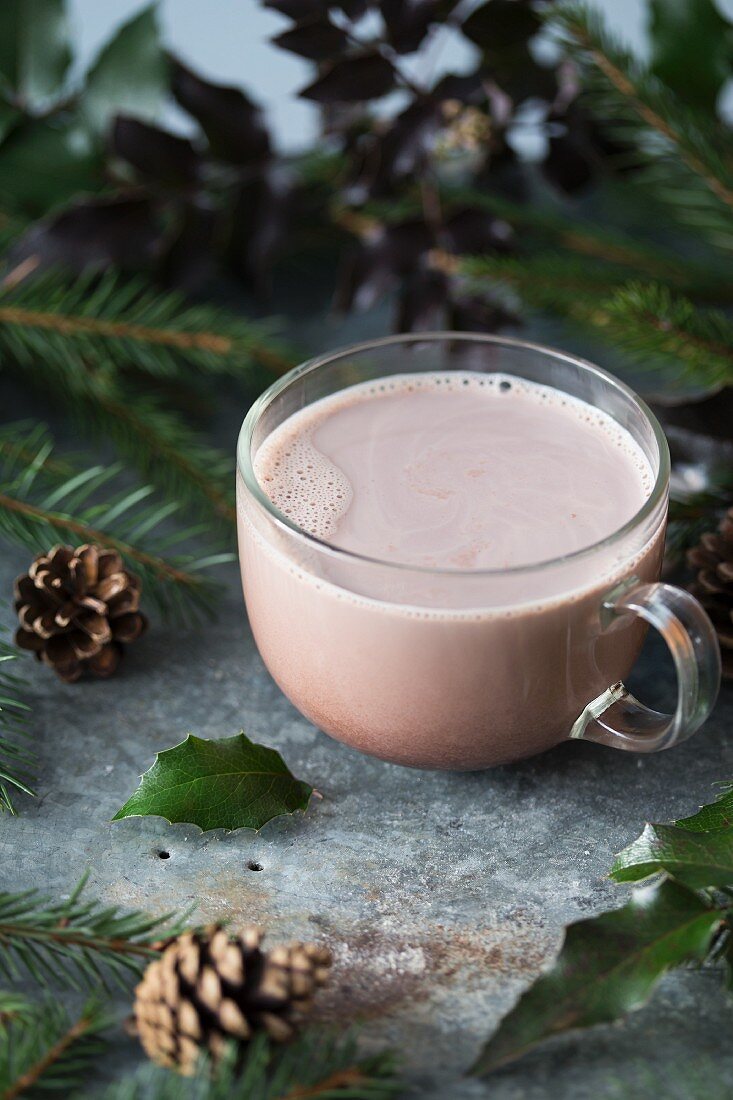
<point>465,669</point>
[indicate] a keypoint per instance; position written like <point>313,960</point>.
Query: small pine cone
<point>713,586</point>
<point>77,608</point>
<point>209,987</point>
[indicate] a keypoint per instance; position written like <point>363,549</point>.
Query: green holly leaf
<point>716,815</point>
<point>700,860</point>
<point>607,967</point>
<point>130,76</point>
<point>228,784</point>
<point>34,48</point>
<point>45,162</point>
<point>691,49</point>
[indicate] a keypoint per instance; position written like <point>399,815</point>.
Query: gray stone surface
<point>442,895</point>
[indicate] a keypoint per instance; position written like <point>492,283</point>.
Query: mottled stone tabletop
<point>441,895</point>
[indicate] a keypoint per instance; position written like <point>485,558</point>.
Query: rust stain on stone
<point>375,971</point>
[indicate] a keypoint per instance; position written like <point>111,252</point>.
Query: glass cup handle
<point>616,718</point>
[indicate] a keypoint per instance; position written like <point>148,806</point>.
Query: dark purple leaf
<point>567,164</point>
<point>188,263</point>
<point>154,153</point>
<point>476,231</point>
<point>469,88</point>
<point>298,9</point>
<point>422,302</point>
<point>366,76</point>
<point>377,265</point>
<point>576,148</point>
<point>407,21</point>
<point>354,9</point>
<point>498,26</point>
<point>233,124</point>
<point>258,223</point>
<point>94,233</point>
<point>471,313</point>
<point>316,38</point>
<point>404,149</point>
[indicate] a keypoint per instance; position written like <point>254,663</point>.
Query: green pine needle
<point>16,759</point>
<point>658,329</point>
<point>126,323</point>
<point>316,1066</point>
<point>77,944</point>
<point>42,1048</point>
<point>686,156</point>
<point>40,507</point>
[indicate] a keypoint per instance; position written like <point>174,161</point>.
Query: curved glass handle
<point>616,718</point>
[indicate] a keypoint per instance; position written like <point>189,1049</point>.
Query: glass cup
<point>465,669</point>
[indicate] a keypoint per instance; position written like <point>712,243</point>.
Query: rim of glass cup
<point>246,468</point>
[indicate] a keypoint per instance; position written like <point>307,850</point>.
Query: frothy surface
<point>454,470</point>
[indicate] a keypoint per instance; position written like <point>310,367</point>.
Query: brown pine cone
<point>209,987</point>
<point>713,586</point>
<point>77,608</point>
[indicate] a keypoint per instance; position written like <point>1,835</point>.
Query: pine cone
<point>713,559</point>
<point>76,608</point>
<point>209,987</point>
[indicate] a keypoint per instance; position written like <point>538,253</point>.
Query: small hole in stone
<point>164,855</point>
<point>254,866</point>
<point>504,386</point>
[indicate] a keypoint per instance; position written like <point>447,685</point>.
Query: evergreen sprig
<point>77,943</point>
<point>16,759</point>
<point>315,1066</point>
<point>43,1048</point>
<point>40,506</point>
<point>687,156</point>
<point>106,319</point>
<point>657,328</point>
<point>653,325</point>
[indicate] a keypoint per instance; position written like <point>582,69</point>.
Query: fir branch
<point>128,323</point>
<point>565,284</point>
<point>156,440</point>
<point>38,508</point>
<point>162,447</point>
<point>77,943</point>
<point>13,1006</point>
<point>690,155</point>
<point>16,760</point>
<point>46,1050</point>
<point>658,329</point>
<point>552,228</point>
<point>315,1066</point>
<point>654,327</point>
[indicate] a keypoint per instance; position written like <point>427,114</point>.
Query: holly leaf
<point>130,75</point>
<point>34,48</point>
<point>692,49</point>
<point>607,967</point>
<point>27,182</point>
<point>716,815</point>
<point>232,783</point>
<point>700,860</point>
